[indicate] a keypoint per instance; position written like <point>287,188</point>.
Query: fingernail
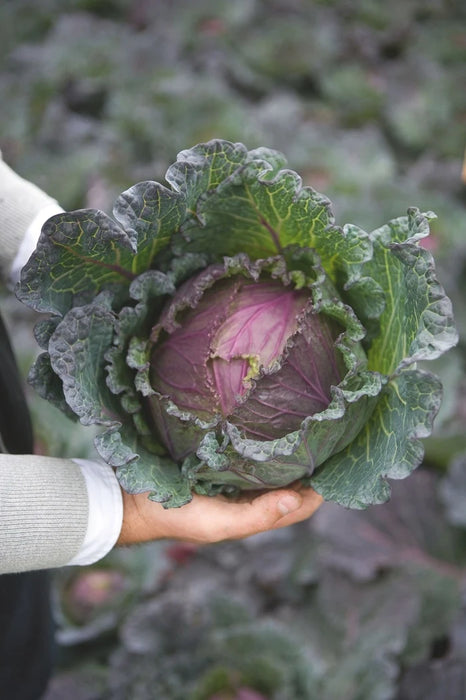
<point>289,503</point>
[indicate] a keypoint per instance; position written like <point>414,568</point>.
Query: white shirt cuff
<point>105,512</point>
<point>31,237</point>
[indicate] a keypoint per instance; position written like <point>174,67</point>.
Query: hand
<point>210,519</point>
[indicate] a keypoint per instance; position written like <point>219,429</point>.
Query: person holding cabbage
<point>228,338</point>
<point>56,512</point>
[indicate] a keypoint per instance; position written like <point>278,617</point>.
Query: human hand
<point>208,519</point>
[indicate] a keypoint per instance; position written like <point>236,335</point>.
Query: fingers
<point>274,509</point>
<point>310,502</point>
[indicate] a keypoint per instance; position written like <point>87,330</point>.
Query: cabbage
<point>227,334</point>
<point>253,355</point>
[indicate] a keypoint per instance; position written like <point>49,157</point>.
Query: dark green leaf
<point>202,168</point>
<point>78,255</point>
<point>150,214</point>
<point>265,216</point>
<point>48,384</point>
<point>77,354</point>
<point>417,321</point>
<point>387,446</point>
<point>139,470</point>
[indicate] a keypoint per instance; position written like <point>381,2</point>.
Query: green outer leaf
<point>43,330</point>
<point>48,384</point>
<point>262,217</point>
<point>417,321</point>
<point>150,214</point>
<point>272,161</point>
<point>77,350</point>
<point>387,446</point>
<point>204,167</point>
<point>138,358</point>
<point>78,254</point>
<point>262,206</point>
<point>139,470</point>
<point>405,229</point>
<point>148,289</point>
<point>82,253</point>
<point>217,464</point>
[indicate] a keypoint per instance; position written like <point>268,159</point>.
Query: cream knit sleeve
<point>20,201</point>
<point>43,512</point>
<point>52,511</point>
<point>43,501</point>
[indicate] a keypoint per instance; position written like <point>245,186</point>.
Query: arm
<point>44,507</point>
<point>43,512</point>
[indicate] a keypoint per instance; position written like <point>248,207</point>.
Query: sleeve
<point>53,512</point>
<point>56,512</point>
<point>43,512</point>
<point>105,512</point>
<point>20,203</point>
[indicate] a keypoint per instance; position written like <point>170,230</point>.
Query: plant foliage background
<point>367,102</point>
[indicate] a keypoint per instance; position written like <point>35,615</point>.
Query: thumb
<point>288,502</point>
<point>275,509</point>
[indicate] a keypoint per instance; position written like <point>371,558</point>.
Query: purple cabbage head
<point>251,352</point>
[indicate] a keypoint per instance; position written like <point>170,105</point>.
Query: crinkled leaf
<point>148,289</point>
<point>387,445</point>
<point>417,322</point>
<point>159,476</point>
<point>367,299</point>
<point>81,253</point>
<point>78,254</point>
<point>149,213</point>
<point>48,384</point>
<point>77,349</point>
<point>224,202</point>
<point>264,210</point>
<point>44,329</point>
<point>254,464</point>
<point>218,465</point>
<point>202,168</point>
<point>139,470</point>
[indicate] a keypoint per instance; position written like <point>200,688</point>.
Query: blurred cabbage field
<point>367,100</point>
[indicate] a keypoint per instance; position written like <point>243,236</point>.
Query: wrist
<point>139,523</point>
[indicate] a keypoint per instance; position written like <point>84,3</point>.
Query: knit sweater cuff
<point>20,202</point>
<point>43,512</point>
